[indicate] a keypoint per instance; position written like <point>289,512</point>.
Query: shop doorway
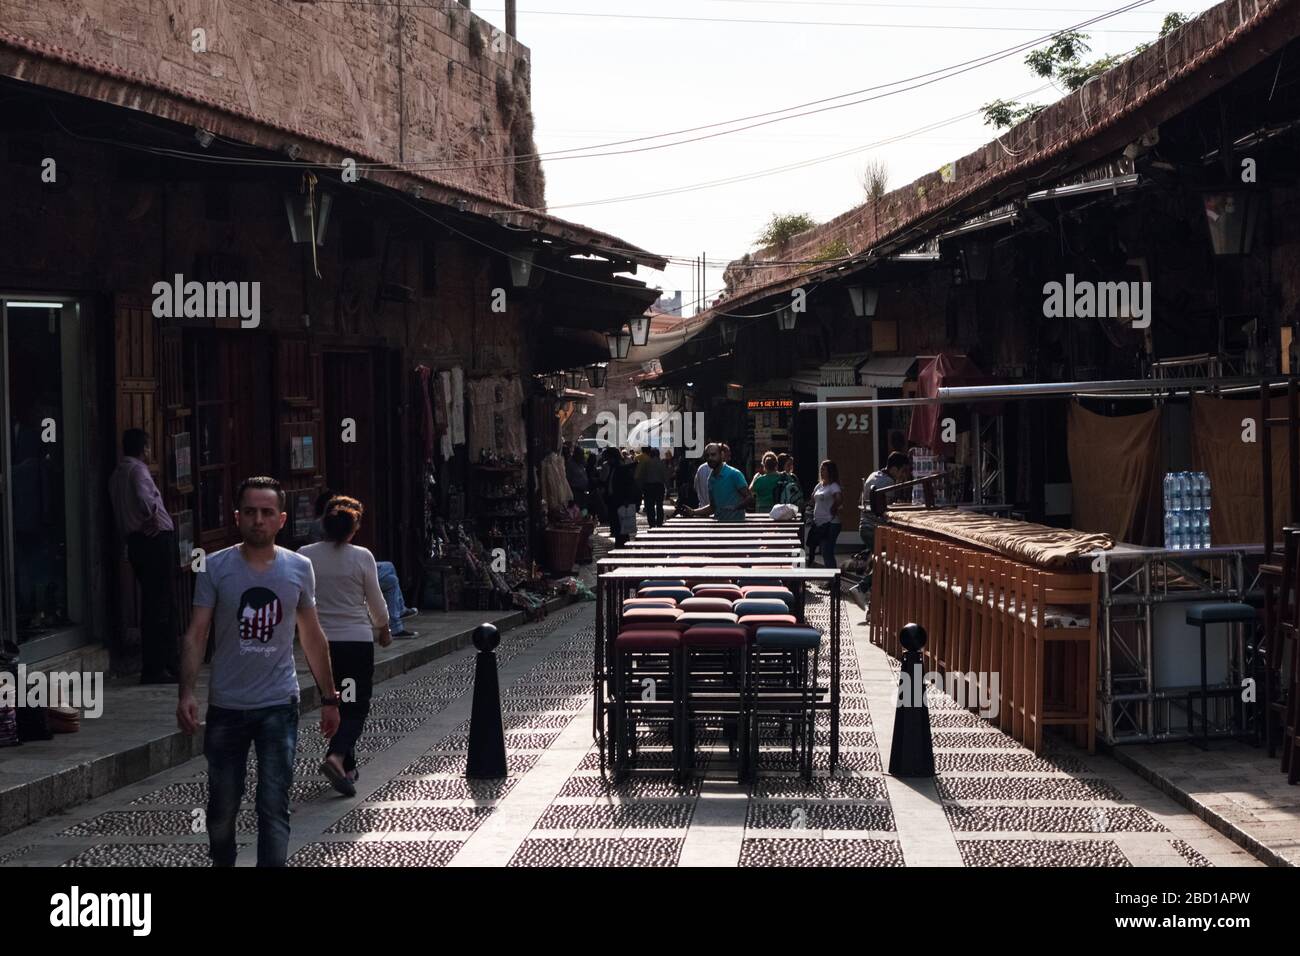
<point>350,393</point>
<point>42,596</point>
<point>847,437</point>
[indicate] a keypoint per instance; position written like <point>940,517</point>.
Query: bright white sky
<point>600,79</point>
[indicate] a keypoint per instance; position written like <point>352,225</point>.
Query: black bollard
<point>487,738</point>
<point>912,752</point>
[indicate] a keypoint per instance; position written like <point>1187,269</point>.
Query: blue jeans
<point>229,733</point>
<point>827,535</point>
<point>392,589</point>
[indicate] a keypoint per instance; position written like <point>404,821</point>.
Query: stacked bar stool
<point>783,688</point>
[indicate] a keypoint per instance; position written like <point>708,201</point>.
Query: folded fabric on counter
<point>1035,544</point>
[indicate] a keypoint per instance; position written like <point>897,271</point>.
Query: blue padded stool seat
<point>677,594</point>
<point>787,636</point>
<point>752,606</point>
<point>1219,613</point>
<point>661,583</point>
<point>692,618</point>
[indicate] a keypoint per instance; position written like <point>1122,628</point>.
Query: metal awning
<point>886,371</point>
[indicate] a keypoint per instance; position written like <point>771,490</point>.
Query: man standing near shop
<point>897,469</point>
<point>150,536</point>
<point>253,595</point>
<point>729,494</point>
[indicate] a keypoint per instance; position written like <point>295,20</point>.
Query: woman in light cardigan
<point>353,615</point>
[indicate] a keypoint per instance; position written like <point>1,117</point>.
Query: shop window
<point>45,476</point>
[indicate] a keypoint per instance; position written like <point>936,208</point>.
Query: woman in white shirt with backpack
<point>354,616</point>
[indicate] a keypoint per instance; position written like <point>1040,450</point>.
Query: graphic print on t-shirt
<point>259,613</point>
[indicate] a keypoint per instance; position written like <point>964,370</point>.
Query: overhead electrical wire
<point>769,117</point>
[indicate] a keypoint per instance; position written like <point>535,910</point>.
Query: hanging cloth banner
<point>423,373</point>
<point>457,406</point>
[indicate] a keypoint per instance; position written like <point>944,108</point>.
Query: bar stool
<point>782,685</point>
<point>644,655</point>
<point>714,672</point>
<point>1200,615</point>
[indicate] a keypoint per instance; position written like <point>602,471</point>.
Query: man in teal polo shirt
<point>729,494</point>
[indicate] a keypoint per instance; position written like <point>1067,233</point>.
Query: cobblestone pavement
<point>992,804</point>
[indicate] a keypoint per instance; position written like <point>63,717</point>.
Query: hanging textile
<point>423,375</point>
<point>444,398</point>
<point>945,370</point>
<point>457,406</point>
<point>1235,467</point>
<point>555,487</point>
<point>496,415</point>
<point>1114,470</point>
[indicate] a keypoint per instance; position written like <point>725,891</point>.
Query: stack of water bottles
<point>925,463</point>
<point>1187,510</point>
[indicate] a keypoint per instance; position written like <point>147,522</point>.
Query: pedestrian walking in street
<point>354,616</point>
<point>729,495</point>
<point>764,484</point>
<point>150,535</point>
<point>827,497</point>
<point>253,595</point>
<point>398,612</point>
<point>652,477</point>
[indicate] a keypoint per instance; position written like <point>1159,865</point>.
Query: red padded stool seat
<point>726,593</point>
<point>648,639</point>
<point>754,621</point>
<point>705,604</point>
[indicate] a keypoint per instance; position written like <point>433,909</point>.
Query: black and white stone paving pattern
<point>992,803</point>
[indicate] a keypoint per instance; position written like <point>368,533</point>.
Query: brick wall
<point>338,71</point>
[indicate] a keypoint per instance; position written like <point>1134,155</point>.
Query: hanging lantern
<point>728,328</point>
<point>677,396</point>
<point>660,396</point>
<point>864,299</point>
<point>786,319</point>
<point>521,267</point>
<point>596,375</point>
<point>640,326</point>
<point>1231,216</point>
<point>298,207</point>
<point>619,342</point>
<point>975,257</point>
<point>575,378</point>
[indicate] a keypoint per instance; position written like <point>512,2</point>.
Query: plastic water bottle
<point>1169,521</point>
<point>1205,483</point>
<point>1166,499</point>
<point>1205,527</point>
<point>1184,491</point>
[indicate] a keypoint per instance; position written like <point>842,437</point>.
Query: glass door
<point>42,476</point>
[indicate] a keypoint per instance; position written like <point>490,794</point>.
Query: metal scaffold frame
<point>1134,581</point>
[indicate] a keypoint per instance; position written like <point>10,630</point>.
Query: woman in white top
<point>827,498</point>
<point>353,615</point>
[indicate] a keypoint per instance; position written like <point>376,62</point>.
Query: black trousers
<point>154,561</point>
<point>351,660</point>
<point>654,503</point>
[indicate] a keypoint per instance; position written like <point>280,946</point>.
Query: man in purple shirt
<point>150,536</point>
